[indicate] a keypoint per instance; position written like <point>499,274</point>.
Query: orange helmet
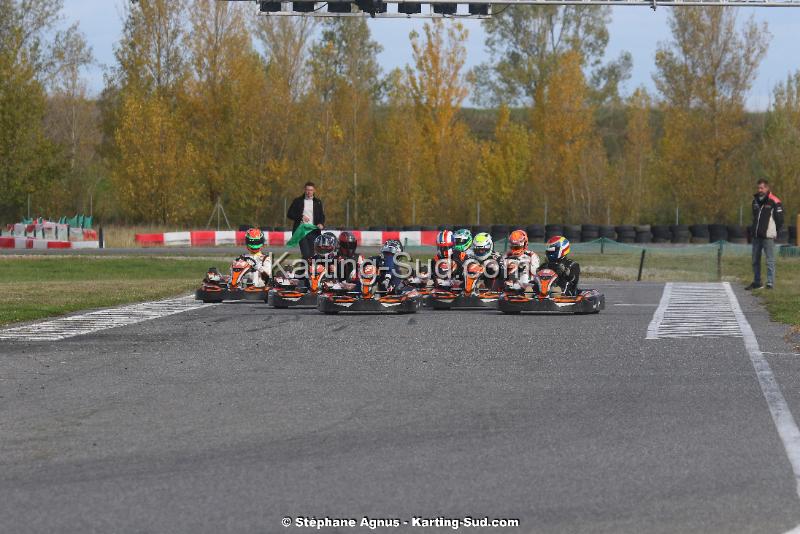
<point>517,242</point>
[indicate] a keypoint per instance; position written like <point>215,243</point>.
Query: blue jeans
<point>768,246</point>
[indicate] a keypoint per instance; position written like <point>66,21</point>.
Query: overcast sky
<point>636,29</point>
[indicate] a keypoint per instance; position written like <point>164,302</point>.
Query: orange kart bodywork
<point>543,300</point>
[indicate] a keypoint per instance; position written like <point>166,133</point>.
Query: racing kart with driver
<point>382,286</point>
<point>554,288</point>
<point>302,289</point>
<point>248,278</point>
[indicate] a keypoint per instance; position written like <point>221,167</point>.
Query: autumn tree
<point>636,170</point>
<point>568,158</point>
<point>224,111</point>
<point>526,42</point>
<point>29,161</point>
<point>704,74</point>
<point>72,123</point>
<point>284,44</point>
<point>780,149</point>
<point>436,86</point>
<point>346,84</point>
<point>504,172</point>
<point>153,170</point>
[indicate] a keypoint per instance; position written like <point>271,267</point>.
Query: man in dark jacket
<point>307,209</point>
<point>767,222</point>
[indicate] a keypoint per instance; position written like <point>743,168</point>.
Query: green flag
<point>302,231</point>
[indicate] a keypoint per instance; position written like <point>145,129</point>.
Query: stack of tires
<point>661,233</point>
<point>700,233</point>
<point>626,234</point>
<point>783,236</point>
<point>535,233</point>
<point>572,232</point>
<point>608,232</point>
<point>793,235</point>
<point>481,228</point>
<point>717,232</point>
<point>552,230</point>
<point>500,231</point>
<point>737,234</point>
<point>590,232</point>
<point>643,233</point>
<point>680,233</point>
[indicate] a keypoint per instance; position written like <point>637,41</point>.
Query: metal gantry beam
<point>473,8</point>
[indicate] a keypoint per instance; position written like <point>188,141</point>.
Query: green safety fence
<point>606,258</point>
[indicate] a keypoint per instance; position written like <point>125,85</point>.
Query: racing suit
<point>388,279</point>
<point>263,268</point>
<point>568,272</point>
<point>491,277</point>
<point>527,265</point>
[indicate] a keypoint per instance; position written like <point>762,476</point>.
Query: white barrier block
<point>371,238</point>
<point>226,237</point>
<point>173,239</point>
<point>411,238</point>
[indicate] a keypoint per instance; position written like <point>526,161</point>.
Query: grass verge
<point>43,286</point>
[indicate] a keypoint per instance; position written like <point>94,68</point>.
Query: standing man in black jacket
<point>767,222</point>
<point>307,209</point>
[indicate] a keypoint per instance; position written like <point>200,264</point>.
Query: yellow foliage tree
<point>155,179</point>
<point>504,173</point>
<point>704,75</point>
<point>568,158</point>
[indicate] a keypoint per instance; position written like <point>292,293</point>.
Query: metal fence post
<point>641,265</point>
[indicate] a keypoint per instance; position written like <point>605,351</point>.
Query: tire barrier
<point>552,230</point>
<point>793,235</point>
<point>700,233</point>
<point>572,232</point>
<point>608,232</point>
<point>590,232</point>
<point>717,232</point>
<point>680,233</point>
<point>661,233</point>
<point>500,231</point>
<point>643,234</point>
<point>626,234</point>
<point>737,234</point>
<point>535,232</point>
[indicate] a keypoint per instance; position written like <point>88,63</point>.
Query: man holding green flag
<point>308,219</point>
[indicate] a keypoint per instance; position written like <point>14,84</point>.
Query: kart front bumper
<point>587,301</point>
<point>289,298</point>
<point>209,294</point>
<point>391,304</point>
<point>445,300</point>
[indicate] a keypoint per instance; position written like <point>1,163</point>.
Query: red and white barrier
<point>40,244</point>
<point>211,238</point>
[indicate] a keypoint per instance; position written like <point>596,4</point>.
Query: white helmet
<point>482,246</point>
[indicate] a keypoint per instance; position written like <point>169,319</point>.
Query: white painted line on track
<point>693,310</point>
<point>778,407</point>
<point>782,416</point>
<point>87,323</point>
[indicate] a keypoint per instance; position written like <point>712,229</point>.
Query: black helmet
<point>347,245</point>
<point>392,246</point>
<point>325,244</point>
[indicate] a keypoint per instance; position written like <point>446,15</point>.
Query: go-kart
<point>347,297</point>
<point>291,292</point>
<point>239,285</point>
<point>546,297</point>
<point>449,293</point>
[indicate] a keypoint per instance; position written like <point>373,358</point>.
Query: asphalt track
<point>231,417</point>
